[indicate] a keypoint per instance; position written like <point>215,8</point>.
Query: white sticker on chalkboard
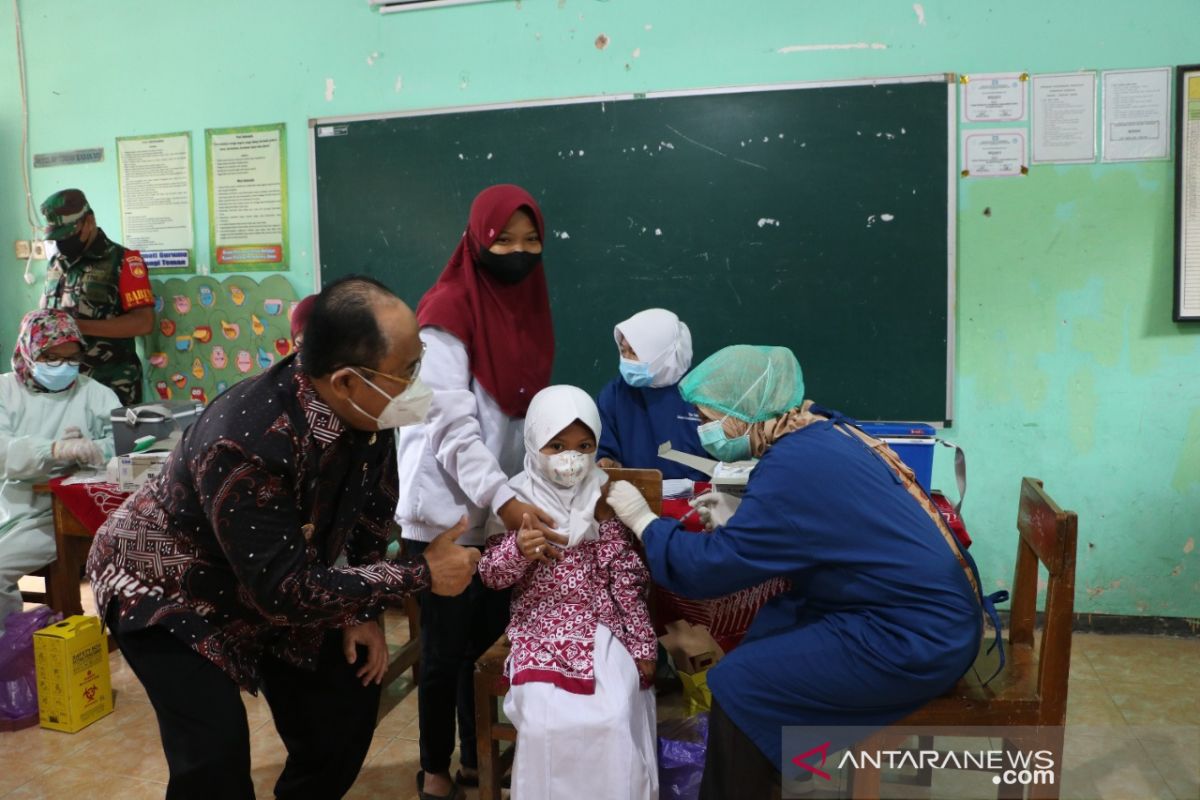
<point>332,130</point>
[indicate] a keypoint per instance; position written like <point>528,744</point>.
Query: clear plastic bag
<point>18,675</point>
<point>682,744</point>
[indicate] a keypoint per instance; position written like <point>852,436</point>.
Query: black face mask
<point>509,268</point>
<point>72,247</point>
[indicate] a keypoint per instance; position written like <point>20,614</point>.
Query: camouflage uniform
<point>104,282</point>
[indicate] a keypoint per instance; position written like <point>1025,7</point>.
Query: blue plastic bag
<point>682,744</point>
<point>18,674</point>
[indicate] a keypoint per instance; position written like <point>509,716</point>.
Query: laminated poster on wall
<point>994,97</point>
<point>1064,118</point>
<point>1136,116</point>
<point>154,176</point>
<point>247,198</point>
<point>994,153</point>
<point>212,333</point>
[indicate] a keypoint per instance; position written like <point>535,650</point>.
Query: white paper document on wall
<point>154,175</point>
<point>1064,118</point>
<point>994,97</point>
<point>994,153</point>
<point>1136,117</point>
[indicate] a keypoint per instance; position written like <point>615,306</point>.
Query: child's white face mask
<point>567,468</point>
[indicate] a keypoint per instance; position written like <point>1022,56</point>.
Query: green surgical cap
<point>749,382</point>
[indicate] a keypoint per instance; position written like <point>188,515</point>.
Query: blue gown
<point>880,619</point>
<point>636,421</point>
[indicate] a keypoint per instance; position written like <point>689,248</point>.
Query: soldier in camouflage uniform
<point>104,286</point>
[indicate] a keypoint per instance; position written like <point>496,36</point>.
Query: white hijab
<point>660,339</point>
<point>551,410</point>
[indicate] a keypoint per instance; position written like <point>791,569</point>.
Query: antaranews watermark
<point>1011,767</point>
<point>836,760</point>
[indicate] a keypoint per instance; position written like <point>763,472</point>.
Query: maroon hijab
<point>300,315</point>
<point>506,329</point>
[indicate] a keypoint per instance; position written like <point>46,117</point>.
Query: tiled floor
<point>1133,732</point>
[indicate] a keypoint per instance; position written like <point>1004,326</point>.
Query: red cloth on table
<point>727,618</point>
<point>91,503</point>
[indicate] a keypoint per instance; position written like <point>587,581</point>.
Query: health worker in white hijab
<point>641,408</point>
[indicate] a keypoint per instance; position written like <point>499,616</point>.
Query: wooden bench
<point>408,655</point>
<point>491,684</point>
<point>1031,692</point>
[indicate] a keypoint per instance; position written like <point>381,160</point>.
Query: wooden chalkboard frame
<point>321,126</point>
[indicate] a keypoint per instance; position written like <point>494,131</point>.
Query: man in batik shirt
<point>104,286</point>
<point>226,571</point>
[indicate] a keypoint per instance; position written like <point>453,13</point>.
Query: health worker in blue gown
<point>642,408</point>
<point>884,611</point>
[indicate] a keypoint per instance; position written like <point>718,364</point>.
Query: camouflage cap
<point>63,211</point>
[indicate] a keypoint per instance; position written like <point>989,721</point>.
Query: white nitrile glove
<point>715,508</point>
<point>83,452</point>
<point>72,432</point>
<point>629,505</point>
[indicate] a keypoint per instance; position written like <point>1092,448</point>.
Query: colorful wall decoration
<point>211,333</point>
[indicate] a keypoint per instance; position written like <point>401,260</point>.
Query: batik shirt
<point>107,281</point>
<point>233,548</point>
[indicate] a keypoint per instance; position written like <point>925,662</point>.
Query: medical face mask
<point>720,446</point>
<point>509,268</point>
<point>636,373</point>
<point>71,247</point>
<point>407,408</point>
<point>55,378</point>
<point>567,468</point>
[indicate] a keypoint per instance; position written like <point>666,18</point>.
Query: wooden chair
<point>1031,692</point>
<point>407,655</point>
<point>491,684</point>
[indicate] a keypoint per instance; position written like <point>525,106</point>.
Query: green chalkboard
<point>812,216</point>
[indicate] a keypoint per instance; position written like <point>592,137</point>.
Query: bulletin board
<point>212,332</point>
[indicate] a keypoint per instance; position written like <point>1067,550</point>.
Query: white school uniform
<point>602,746</point>
<point>459,461</point>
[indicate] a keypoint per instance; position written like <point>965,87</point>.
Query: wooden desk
<point>71,544</point>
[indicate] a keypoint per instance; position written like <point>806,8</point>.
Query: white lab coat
<point>460,460</point>
<point>30,422</point>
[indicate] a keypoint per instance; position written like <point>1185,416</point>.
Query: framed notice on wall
<point>247,198</point>
<point>154,176</point>
<point>1187,194</point>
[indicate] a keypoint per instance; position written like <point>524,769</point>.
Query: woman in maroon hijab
<point>489,346</point>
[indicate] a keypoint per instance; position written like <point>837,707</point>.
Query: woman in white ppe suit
<point>52,419</point>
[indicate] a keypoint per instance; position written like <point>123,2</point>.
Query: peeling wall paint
<point>1068,365</point>
<point>812,48</point>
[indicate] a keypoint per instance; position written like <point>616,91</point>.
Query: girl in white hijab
<point>583,646</point>
<point>642,408</point>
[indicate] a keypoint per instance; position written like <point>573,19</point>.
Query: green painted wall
<point>1068,366</point>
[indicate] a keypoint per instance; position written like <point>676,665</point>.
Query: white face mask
<point>567,468</point>
<point>407,408</point>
